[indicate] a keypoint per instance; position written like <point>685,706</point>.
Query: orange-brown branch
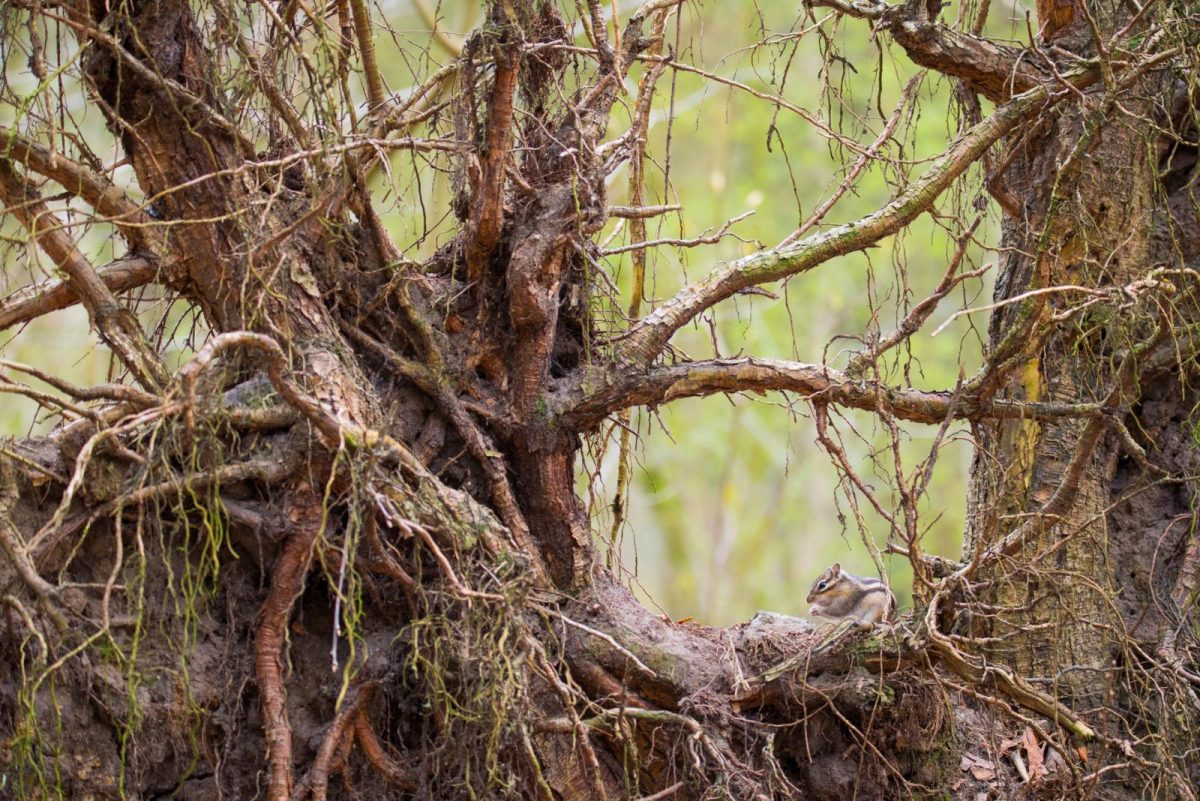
<point>287,582</point>
<point>487,214</point>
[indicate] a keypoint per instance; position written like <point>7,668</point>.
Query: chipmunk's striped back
<point>838,594</point>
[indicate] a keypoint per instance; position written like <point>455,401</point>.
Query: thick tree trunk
<point>1090,214</point>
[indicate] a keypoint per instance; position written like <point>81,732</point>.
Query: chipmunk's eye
<point>821,586</point>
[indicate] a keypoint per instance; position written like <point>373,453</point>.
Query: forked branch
<point>115,324</point>
<point>35,300</point>
<point>101,194</point>
<point>646,339</point>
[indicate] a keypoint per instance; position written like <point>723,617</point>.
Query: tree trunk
<point>1101,204</point>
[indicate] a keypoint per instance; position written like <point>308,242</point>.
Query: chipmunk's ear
<point>836,570</point>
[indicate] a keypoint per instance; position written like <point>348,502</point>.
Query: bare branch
<point>859,9</point>
<point>813,381</point>
<point>641,212</point>
<point>116,325</point>
<point>823,128</point>
<point>650,335</point>
<point>996,71</point>
<point>366,49</point>
<point>133,223</point>
<point>35,300</point>
<point>864,158</point>
<point>111,392</point>
<point>1015,686</point>
<point>488,212</point>
<point>703,239</point>
<point>267,85</point>
<point>920,313</point>
<point>451,44</point>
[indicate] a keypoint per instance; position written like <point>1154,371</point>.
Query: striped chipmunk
<point>838,595</point>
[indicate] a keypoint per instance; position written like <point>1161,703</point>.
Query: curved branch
<point>650,335</point>
<point>277,371</point>
<point>390,768</point>
<point>813,381</point>
<point>35,300</point>
<point>116,325</point>
<point>100,193</point>
<point>995,71</point>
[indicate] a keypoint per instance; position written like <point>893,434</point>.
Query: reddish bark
<point>303,520</point>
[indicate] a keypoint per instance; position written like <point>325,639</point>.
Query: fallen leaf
<point>982,769</point>
<point>983,774</point>
<point>1033,749</point>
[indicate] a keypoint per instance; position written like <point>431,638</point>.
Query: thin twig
<point>602,635</point>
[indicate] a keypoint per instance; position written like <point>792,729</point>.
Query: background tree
<point>334,437</point>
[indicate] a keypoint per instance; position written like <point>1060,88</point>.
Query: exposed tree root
<point>303,518</point>
<point>341,731</point>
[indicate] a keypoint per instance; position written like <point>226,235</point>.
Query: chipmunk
<point>837,594</point>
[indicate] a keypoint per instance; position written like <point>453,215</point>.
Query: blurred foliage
<point>734,506</point>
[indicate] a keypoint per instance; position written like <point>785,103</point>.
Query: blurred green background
<point>733,507</point>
